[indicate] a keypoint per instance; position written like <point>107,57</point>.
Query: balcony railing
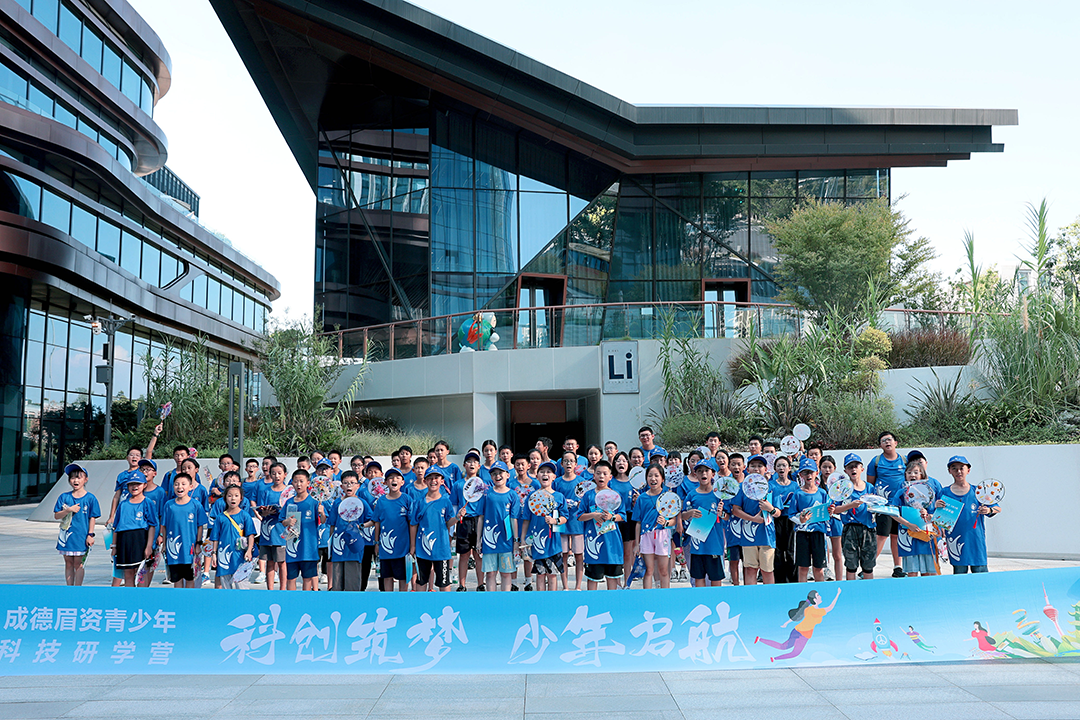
<point>586,325</point>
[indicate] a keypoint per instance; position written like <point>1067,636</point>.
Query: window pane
<point>35,355</point>
<point>83,226</point>
<point>226,301</point>
<point>108,240</point>
<point>237,307</point>
<point>213,295</point>
<point>131,254</point>
<point>55,211</point>
<point>725,184</point>
<point>91,47</point>
<point>249,312</point>
<point>762,248</point>
<point>496,231</point>
<point>451,230</point>
<point>110,66</point>
<point>632,249</point>
<point>12,84</point>
<point>169,268</point>
<point>451,293</point>
<point>868,183</point>
<point>65,115</point>
<point>46,12</point>
<point>185,291</point>
<point>151,264</point>
<point>70,29</point>
<point>147,100</point>
<point>30,200</point>
<point>56,330</point>
<point>821,185</point>
<point>55,364</point>
<point>130,83</point>
<point>543,215</point>
<point>198,291</point>
<point>41,100</point>
<point>449,169</point>
<point>772,184</point>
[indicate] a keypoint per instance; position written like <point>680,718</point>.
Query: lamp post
<point>108,325</point>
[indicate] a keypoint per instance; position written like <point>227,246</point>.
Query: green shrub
<point>930,348</point>
<point>386,442</point>
<point>872,341</point>
<point>688,430</point>
<point>850,420</point>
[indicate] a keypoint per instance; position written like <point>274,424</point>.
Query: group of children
<point>514,517</point>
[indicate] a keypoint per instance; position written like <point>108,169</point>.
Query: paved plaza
<point>951,691</point>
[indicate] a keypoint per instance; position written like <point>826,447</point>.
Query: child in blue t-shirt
<point>251,483</point>
<point>572,540</point>
<point>834,528</point>
<point>917,552</point>
<point>431,520</point>
<point>498,528</point>
<point>271,532</point>
<point>233,536</point>
<point>391,523</point>
<point>183,525</point>
<point>466,541</point>
<point>707,555</point>
<point>967,540</point>
<point>77,512</point>
<point>302,516</point>
<point>809,536</point>
<point>546,545</point>
<point>858,541</point>
<point>603,540</point>
<point>135,524</point>
<point>782,487</point>
<point>753,523</point>
<point>523,484</point>
<point>654,532</point>
<point>346,544</point>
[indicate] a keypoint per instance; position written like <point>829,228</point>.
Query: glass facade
<point>468,213</point>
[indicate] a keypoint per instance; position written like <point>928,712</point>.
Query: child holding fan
<point>77,512</point>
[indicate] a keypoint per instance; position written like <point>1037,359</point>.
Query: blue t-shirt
<point>304,548</point>
<point>568,489</point>
<point>367,534</point>
<point>500,510</point>
<point>860,514</point>
<point>627,493</point>
<point>167,483</point>
<point>122,481</point>
<point>453,473</point>
<point>251,492</point>
<point>409,478</point>
<point>803,500</point>
<point>416,493</point>
<point>271,531</point>
<point>889,476</point>
<point>346,544</point>
<point>546,542</point>
<point>706,503</point>
<point>74,538</point>
<point>432,534</point>
<point>180,524</point>
<point>645,512</point>
<point>231,545</point>
<point>600,548</point>
<point>747,532</point>
<point>135,516</point>
<point>908,546</point>
<point>457,497</point>
<point>781,494</point>
<point>200,495</point>
<point>393,518</point>
<point>967,540</point>
<point>324,530</point>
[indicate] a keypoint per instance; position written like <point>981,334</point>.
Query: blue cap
<point>435,470</point>
<point>136,477</point>
<point>475,456</point>
<point>709,463</point>
<point>373,463</point>
<point>914,455</point>
<point>549,464</point>
<point>393,471</point>
<point>325,462</point>
<point>148,461</point>
<point>807,464</point>
<point>958,459</point>
<point>851,458</point>
<point>759,458</point>
<point>499,465</point>
<point>73,467</point>
<point>658,451</point>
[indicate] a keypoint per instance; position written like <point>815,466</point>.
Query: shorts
<point>180,572</point>
<point>227,582</point>
<point>598,571</point>
<point>656,542</point>
<point>761,557</point>
<point>346,575</point>
<point>570,543</point>
<point>500,562</point>
<point>810,548</point>
<point>628,530</point>
<point>734,553</point>
<point>72,553</point>
<point>392,568</point>
<point>860,548</point>
<point>304,568</point>
<point>465,537</point>
<point>130,547</point>
<point>548,566</point>
<point>441,568</point>
<point>707,566</point>
<point>963,569</point>
<point>273,553</point>
<point>919,564</point>
<point>886,525</point>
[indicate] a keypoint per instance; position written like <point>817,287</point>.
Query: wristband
<point>90,535</point>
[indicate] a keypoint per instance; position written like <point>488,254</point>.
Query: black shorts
<point>441,569</point>
<point>305,569</point>
<point>392,568</point>
<point>180,572</point>
<point>711,566</point>
<point>599,571</point>
<point>548,566</point>
<point>130,547</point>
<point>346,576</point>
<point>734,553</point>
<point>628,530</point>
<point>465,536</point>
<point>886,525</point>
<point>810,548</point>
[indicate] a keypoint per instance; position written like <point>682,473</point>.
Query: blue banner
<point>62,630</point>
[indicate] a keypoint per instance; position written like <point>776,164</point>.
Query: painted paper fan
<point>608,500</point>
<point>989,491</point>
<point>755,486</point>
<point>668,505</point>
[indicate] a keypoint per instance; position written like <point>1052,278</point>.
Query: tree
<point>831,253</point>
<point>1065,260</point>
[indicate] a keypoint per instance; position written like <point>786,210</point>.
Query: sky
<point>224,143</point>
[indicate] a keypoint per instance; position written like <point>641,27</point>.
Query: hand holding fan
<point>243,572</point>
<point>770,462</point>
<point>727,488</point>
<point>322,489</point>
<point>473,489</point>
<point>146,567</point>
<point>350,509</point>
<point>756,487</point>
<point>377,487</point>
<point>542,505</point>
<point>918,495</point>
<point>990,491</point>
<point>873,501</point>
<point>668,505</point>
<point>608,500</point>
<point>637,477</point>
<point>166,410</point>
<point>583,487</point>
<point>840,487</point>
<point>790,445</point>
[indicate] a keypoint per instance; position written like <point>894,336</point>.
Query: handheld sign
<point>946,517</point>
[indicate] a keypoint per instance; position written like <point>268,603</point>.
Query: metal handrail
<point>445,324</point>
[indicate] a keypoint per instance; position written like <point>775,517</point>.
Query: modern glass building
<point>92,223</point>
<point>453,173</point>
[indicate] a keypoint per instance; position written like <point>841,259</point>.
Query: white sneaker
<point>829,574</point>
<point>257,579</point>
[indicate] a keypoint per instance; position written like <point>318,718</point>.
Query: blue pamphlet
<point>700,527</point>
<point>947,516</point>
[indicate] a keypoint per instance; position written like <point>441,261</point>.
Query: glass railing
<point>587,325</point>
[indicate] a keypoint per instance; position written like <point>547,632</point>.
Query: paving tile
<point>1022,693</point>
<point>145,708</point>
<point>36,710</point>
<point>328,679</point>
<point>600,703</point>
<point>621,715</point>
<point>495,706</point>
<point>28,681</point>
<point>301,707</point>
<point>898,696</point>
<point>706,682</point>
<point>1037,673</point>
<point>802,712</point>
<point>929,711</point>
<point>66,692</point>
<point>1028,710</point>
<point>273,693</point>
<point>729,700</point>
<point>455,686</point>
<point>869,676</point>
<point>192,681</point>
<point>125,691</point>
<point>581,684</point>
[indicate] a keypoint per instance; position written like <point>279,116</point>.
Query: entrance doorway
<point>721,319</point>
<point>541,326</point>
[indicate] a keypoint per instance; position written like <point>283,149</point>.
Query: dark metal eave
<point>451,60</point>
